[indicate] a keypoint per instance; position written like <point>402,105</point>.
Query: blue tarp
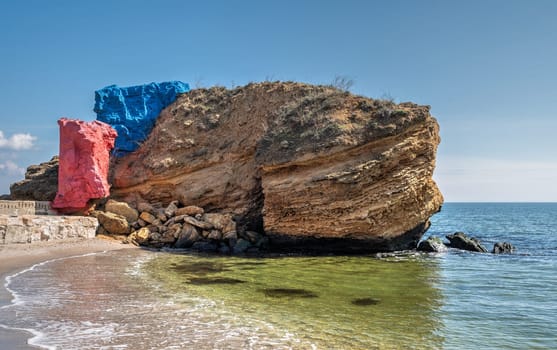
<point>133,110</point>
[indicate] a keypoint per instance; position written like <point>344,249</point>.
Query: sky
<point>487,68</point>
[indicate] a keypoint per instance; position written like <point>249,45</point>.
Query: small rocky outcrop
<point>313,167</point>
<point>40,183</point>
<point>503,248</point>
<point>83,167</point>
<point>462,241</point>
<point>432,245</point>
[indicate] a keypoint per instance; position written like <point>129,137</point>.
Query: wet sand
<point>16,257</point>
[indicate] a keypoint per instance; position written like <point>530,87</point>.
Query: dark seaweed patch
<point>365,301</point>
<point>216,280</point>
<point>201,267</point>
<point>288,293</point>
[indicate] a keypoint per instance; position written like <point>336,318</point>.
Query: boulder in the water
<point>432,245</point>
<point>462,241</point>
<point>503,248</point>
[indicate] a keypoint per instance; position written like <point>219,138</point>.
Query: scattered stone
<point>203,246</point>
<point>460,240</point>
<point>139,237</point>
<point>168,238</point>
<point>155,236</point>
<point>220,221</point>
<point>432,245</point>
<point>231,235</point>
<point>263,243</point>
<point>113,223</point>
<point>171,209</point>
<point>198,223</point>
<point>102,231</point>
<point>153,228</point>
<point>190,210</point>
<point>141,223</point>
<point>241,246</point>
<point>123,209</point>
<point>178,218</point>
<point>503,248</point>
<point>174,228</point>
<point>215,235</point>
<point>224,249</point>
<point>135,225</point>
<point>147,217</point>
<point>162,217</point>
<point>144,206</point>
<point>251,236</point>
<point>187,237</point>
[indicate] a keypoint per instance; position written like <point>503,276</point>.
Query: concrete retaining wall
<point>15,208</point>
<point>32,228</point>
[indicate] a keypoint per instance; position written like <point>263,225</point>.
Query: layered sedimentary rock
<point>311,166</point>
<point>84,160</point>
<point>132,111</point>
<point>40,183</point>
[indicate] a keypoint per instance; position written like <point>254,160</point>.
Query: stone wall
<point>33,228</point>
<point>14,208</point>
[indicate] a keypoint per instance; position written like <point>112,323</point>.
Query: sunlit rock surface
<point>83,165</point>
<point>311,166</point>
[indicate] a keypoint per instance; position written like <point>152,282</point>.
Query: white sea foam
<point>16,300</point>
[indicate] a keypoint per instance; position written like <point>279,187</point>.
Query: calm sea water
<point>458,300</point>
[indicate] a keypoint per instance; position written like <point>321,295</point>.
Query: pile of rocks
<point>187,227</point>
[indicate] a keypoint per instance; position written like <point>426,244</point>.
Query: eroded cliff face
<point>309,165</point>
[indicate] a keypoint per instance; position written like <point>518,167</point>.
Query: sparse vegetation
<point>342,83</point>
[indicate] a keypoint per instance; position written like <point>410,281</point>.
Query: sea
<point>137,299</point>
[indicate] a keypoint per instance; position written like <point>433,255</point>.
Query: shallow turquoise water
<point>458,300</point>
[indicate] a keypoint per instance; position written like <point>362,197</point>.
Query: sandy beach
<point>16,257</point>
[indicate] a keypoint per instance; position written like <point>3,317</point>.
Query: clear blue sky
<point>488,68</point>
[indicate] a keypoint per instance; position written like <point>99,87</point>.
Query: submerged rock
<point>365,301</point>
<point>432,245</point>
<point>311,166</point>
<point>214,280</point>
<point>460,240</point>
<point>289,293</point>
<point>503,248</point>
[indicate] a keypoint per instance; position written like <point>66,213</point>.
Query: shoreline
<point>16,257</point>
